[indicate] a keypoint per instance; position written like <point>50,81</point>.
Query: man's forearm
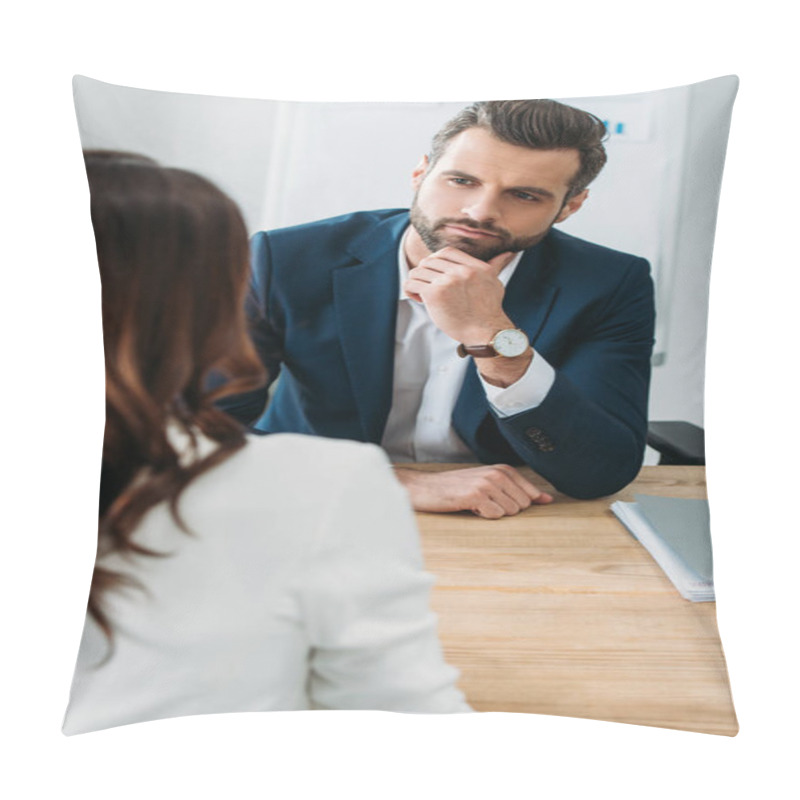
<point>575,444</point>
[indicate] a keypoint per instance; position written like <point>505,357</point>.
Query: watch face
<point>510,343</point>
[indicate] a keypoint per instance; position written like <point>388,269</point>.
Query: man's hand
<point>464,299</point>
<point>490,492</point>
<point>462,294</point>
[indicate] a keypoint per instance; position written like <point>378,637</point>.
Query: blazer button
<point>542,441</point>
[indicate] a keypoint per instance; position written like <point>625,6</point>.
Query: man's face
<point>486,197</point>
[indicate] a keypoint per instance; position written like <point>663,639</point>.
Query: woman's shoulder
<point>295,448</point>
<point>281,459</point>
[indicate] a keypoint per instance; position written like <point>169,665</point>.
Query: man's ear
<point>572,205</point>
<point>419,173</point>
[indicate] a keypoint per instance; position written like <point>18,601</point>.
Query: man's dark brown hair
<point>538,124</point>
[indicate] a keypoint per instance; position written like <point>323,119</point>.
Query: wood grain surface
<point>559,610</point>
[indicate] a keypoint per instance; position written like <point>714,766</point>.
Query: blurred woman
<point>233,573</point>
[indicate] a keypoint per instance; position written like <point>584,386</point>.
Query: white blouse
<point>301,585</point>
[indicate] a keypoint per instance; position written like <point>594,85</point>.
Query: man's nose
<point>483,207</point>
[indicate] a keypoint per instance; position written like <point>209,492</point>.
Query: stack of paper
<point>675,531</point>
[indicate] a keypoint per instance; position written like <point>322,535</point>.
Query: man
<point>475,333</point>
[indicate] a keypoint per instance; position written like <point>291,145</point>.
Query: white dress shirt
<point>428,374</point>
<point>301,586</point>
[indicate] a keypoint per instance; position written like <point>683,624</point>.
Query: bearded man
<point>467,329</point>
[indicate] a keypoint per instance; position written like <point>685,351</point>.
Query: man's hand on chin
<point>464,299</point>
<point>491,492</point>
<point>462,294</point>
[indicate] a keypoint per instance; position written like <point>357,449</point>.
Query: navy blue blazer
<point>329,291</point>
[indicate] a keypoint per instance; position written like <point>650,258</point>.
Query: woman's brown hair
<point>173,257</point>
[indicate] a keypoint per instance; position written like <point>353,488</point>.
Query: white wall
<point>287,163</point>
<point>678,384</point>
<point>227,140</point>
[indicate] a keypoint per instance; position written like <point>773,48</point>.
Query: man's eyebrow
<point>532,190</point>
<point>455,173</point>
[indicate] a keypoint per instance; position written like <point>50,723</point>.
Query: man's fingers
<point>531,490</point>
<point>427,274</point>
<point>499,262</point>
<point>449,255</point>
<point>418,279</point>
<point>501,503</point>
<point>452,255</point>
<point>494,488</point>
<point>502,487</point>
<point>490,492</point>
<point>489,509</point>
<point>507,502</point>
<point>414,289</point>
<point>506,488</point>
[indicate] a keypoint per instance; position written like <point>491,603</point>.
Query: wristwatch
<point>508,343</point>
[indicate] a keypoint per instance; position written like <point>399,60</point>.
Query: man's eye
<point>461,181</point>
<point>526,196</point>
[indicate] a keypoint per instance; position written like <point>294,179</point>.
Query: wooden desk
<point>560,611</point>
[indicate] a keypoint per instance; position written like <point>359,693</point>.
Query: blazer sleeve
<point>265,333</point>
<point>373,636</point>
<point>588,435</point>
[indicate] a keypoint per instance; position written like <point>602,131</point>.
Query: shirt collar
<point>504,276</point>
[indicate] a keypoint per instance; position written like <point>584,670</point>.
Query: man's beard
<point>434,237</point>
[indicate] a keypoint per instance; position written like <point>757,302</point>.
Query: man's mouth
<point>476,233</point>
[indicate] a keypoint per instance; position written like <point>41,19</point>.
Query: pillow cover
<point>559,610</point>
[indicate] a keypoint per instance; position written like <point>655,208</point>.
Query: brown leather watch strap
<point>476,351</point>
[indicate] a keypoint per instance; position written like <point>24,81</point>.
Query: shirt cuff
<point>527,393</point>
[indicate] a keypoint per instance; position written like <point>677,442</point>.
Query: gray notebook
<point>683,525</point>
<point>675,532</point>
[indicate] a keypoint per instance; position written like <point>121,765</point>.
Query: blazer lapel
<point>365,297</point>
<point>530,293</point>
